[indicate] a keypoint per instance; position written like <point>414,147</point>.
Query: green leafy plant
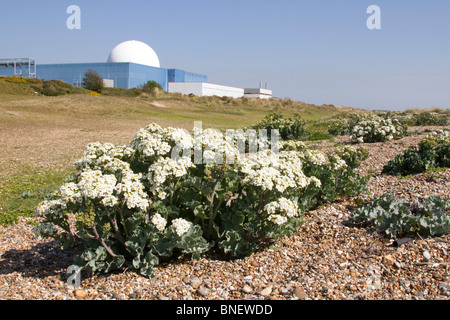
<point>289,128</point>
<point>153,200</point>
<point>339,127</point>
<point>432,152</point>
<point>369,127</point>
<point>428,119</point>
<point>337,175</point>
<point>425,217</point>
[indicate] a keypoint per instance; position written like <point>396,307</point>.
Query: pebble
<point>203,291</point>
<point>266,291</point>
<point>389,259</point>
<point>247,289</point>
<point>300,293</point>
<point>195,282</point>
<point>80,293</point>
<point>444,288</point>
<point>426,256</point>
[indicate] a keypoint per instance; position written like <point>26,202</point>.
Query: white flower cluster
<point>279,211</point>
<point>159,222</point>
<point>105,188</point>
<point>133,191</point>
<point>292,145</point>
<point>151,141</point>
<point>215,148</point>
<point>337,162</point>
<point>372,128</point>
<point>50,207</point>
<point>271,171</point>
<point>163,168</point>
<point>70,192</point>
<point>181,137</point>
<point>181,226</point>
<point>314,156</point>
<point>440,135</point>
<point>98,156</point>
<point>93,184</point>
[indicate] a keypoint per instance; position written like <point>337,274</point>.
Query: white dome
<point>135,52</point>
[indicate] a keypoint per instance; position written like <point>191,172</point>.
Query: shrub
<point>339,127</point>
<point>52,88</point>
<point>372,128</point>
<point>337,175</point>
<point>93,81</point>
<point>426,217</point>
<point>153,200</point>
<point>432,152</point>
<point>428,119</point>
<point>289,128</point>
<point>150,85</point>
<point>153,88</point>
<point>14,79</point>
<point>55,88</point>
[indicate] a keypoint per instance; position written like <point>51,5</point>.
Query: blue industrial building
<point>131,64</point>
<point>124,74</point>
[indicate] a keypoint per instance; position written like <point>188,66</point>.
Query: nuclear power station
<point>130,64</point>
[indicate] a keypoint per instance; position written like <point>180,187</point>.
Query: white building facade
<point>211,89</point>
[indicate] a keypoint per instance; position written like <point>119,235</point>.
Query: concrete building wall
<point>205,89</point>
<point>258,93</point>
<point>195,88</point>
<point>211,89</point>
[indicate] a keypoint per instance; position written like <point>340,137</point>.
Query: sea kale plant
<point>426,217</point>
<point>370,127</point>
<point>288,127</point>
<point>339,127</point>
<point>432,152</point>
<point>169,193</point>
<point>428,119</point>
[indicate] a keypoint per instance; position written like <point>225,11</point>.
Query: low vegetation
<point>368,127</point>
<point>431,153</point>
<point>425,217</point>
<point>289,128</point>
<point>136,205</point>
<point>19,195</point>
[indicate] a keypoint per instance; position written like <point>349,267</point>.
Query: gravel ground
<point>327,259</point>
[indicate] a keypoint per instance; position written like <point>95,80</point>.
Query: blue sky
<point>316,51</point>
